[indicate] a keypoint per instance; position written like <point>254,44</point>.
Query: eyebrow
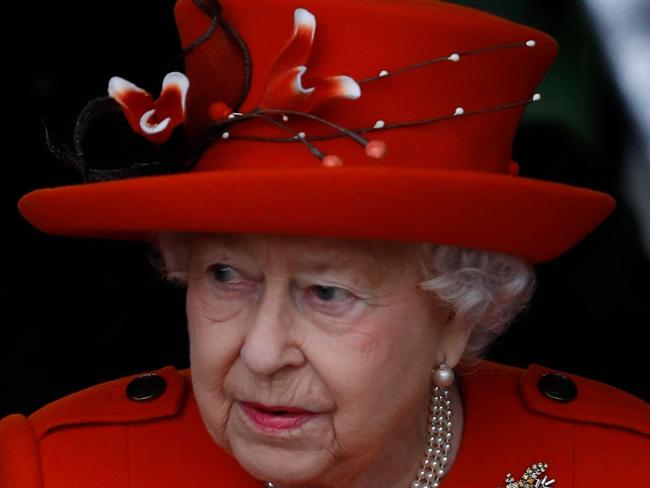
<point>321,262</point>
<point>367,273</point>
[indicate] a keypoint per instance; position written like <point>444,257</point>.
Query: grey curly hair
<point>485,290</point>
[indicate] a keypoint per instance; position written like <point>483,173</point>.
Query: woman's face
<point>310,357</point>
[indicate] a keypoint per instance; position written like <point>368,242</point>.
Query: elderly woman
<point>350,244</point>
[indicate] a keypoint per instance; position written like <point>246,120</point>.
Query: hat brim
<point>536,219</point>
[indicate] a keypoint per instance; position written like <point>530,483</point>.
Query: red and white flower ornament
<point>153,119</point>
<point>285,88</point>
<point>286,93</point>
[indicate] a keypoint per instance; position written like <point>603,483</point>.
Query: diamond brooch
<point>531,478</point>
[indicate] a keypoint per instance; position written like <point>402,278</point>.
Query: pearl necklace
<point>438,442</point>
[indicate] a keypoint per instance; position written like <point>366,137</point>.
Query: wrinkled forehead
<point>312,253</point>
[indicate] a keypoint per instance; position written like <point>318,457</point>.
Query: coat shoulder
<point>609,427</point>
<point>588,431</point>
<point>107,435</point>
<point>566,396</point>
<point>19,456</point>
<point>134,398</point>
<point>589,402</point>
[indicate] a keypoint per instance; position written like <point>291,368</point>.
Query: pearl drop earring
<point>443,376</point>
<point>434,464</point>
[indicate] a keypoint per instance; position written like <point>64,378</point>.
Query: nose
<point>270,345</point>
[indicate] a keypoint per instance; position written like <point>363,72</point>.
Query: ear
<point>175,253</point>
<point>454,341</point>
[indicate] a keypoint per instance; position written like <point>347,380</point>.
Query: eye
<point>222,272</point>
<point>226,279</point>
<point>330,293</point>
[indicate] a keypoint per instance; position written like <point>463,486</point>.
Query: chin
<point>285,467</point>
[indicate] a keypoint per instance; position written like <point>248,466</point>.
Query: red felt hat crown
<point>392,120</point>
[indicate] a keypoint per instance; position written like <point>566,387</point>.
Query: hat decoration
<point>432,92</point>
<point>171,148</point>
<point>285,88</point>
<point>156,134</point>
<point>154,120</point>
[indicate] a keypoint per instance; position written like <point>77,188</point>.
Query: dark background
<point>81,311</point>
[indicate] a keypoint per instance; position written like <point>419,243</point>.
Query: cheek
<point>384,367</point>
<point>214,342</point>
<point>214,346</point>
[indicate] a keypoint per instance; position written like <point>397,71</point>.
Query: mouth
<point>273,418</point>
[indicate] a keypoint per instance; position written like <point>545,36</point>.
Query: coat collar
<point>509,422</point>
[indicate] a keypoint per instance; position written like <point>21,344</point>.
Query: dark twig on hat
<point>61,150</point>
<point>374,148</point>
<point>453,57</point>
<point>356,132</point>
<point>168,158</point>
<point>297,135</point>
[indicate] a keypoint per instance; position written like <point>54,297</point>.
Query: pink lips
<point>274,418</point>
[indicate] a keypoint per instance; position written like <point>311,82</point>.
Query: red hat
<point>393,120</point>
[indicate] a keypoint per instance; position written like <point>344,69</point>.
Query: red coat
<point>98,437</point>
